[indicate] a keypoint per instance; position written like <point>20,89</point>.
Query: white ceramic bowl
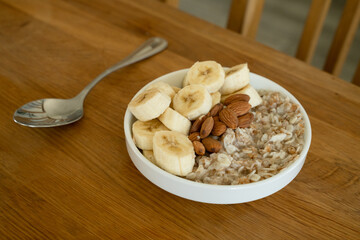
<point>219,194</point>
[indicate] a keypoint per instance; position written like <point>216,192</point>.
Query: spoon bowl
<point>53,112</point>
<point>49,112</point>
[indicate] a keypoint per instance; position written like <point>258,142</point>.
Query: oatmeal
<point>273,141</point>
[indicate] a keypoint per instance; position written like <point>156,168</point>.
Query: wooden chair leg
<point>356,78</point>
<point>174,3</point>
<point>312,29</point>
<point>344,36</point>
<point>245,16</point>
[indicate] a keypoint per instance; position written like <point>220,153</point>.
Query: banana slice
<point>143,133</point>
<point>173,152</point>
<point>255,98</point>
<point>149,154</point>
<point>223,97</point>
<point>192,101</point>
<point>163,87</point>
<point>236,78</point>
<point>208,73</point>
<point>175,121</point>
<point>149,104</point>
<point>176,89</point>
<point>216,97</point>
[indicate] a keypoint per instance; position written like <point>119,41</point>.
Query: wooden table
<point>78,182</point>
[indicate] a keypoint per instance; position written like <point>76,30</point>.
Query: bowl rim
<point>158,170</point>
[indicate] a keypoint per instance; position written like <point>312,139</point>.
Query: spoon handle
<point>149,48</point>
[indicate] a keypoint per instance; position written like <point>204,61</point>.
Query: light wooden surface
<point>312,29</point>
<point>244,16</point>
<point>78,182</point>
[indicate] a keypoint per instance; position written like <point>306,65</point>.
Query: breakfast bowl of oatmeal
<point>217,135</point>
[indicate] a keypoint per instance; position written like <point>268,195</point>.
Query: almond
<point>239,107</point>
<point>228,117</point>
<point>244,125</point>
<point>216,118</point>
<point>216,109</point>
<point>245,120</point>
<point>197,124</point>
<point>236,97</point>
<point>218,129</point>
<point>195,136</point>
<point>206,127</point>
<point>211,145</point>
<point>199,148</point>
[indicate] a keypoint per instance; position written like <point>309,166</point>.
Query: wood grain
<point>174,3</point>
<point>244,16</point>
<point>356,78</point>
<point>343,38</point>
<point>78,182</point>
<point>312,29</point>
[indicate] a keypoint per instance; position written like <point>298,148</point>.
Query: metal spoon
<point>52,112</point>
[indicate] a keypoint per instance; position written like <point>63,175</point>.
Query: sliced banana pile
<point>165,112</point>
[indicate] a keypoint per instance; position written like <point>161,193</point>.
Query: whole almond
<point>236,97</point>
<point>206,127</point>
<point>199,148</point>
<point>228,117</point>
<point>211,145</point>
<point>244,125</point>
<point>195,136</point>
<point>216,109</point>
<point>195,127</point>
<point>245,120</point>
<point>218,129</point>
<point>239,107</point>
